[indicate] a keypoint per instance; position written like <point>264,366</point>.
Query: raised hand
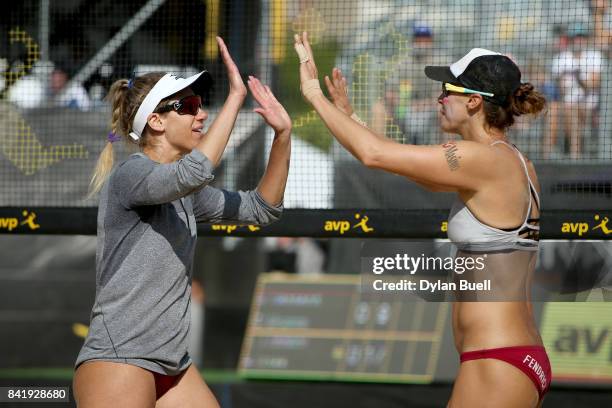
<point>270,108</point>
<point>338,90</point>
<point>233,74</point>
<point>308,70</point>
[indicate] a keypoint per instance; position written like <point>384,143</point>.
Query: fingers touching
<point>304,51</point>
<point>262,93</point>
<point>337,83</point>
<point>224,52</point>
<point>301,50</point>
<point>257,89</point>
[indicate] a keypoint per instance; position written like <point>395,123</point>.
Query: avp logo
<point>231,228</point>
<point>581,228</point>
<point>603,225</point>
<point>13,222</point>
<point>584,340</point>
<point>342,226</point>
<point>9,223</point>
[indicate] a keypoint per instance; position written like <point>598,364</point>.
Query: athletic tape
<point>311,88</point>
<point>302,53</point>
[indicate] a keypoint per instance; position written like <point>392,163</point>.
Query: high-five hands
<point>233,74</point>
<point>310,86</point>
<point>308,70</point>
<point>338,91</point>
<point>270,108</point>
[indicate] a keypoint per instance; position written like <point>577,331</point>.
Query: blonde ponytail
<point>102,169</point>
<point>117,97</point>
<point>125,97</point>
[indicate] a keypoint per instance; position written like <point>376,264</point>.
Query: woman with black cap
<point>503,361</point>
<point>135,354</point>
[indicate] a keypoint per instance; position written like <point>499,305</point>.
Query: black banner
<point>356,223</point>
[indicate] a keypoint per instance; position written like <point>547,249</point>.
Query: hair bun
<point>526,100</point>
<point>523,91</point>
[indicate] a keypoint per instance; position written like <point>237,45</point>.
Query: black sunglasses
<point>189,105</point>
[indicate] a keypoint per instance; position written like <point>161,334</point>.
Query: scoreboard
<point>326,328</point>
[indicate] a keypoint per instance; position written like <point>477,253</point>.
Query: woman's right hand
<point>309,78</point>
<point>338,91</point>
<point>233,74</point>
<point>270,108</point>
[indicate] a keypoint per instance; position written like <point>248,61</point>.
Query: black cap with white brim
<point>482,70</point>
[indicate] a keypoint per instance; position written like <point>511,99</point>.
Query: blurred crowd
<point>570,72</point>
<point>569,65</point>
<point>50,84</point>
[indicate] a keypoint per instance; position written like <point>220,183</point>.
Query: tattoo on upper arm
<point>450,152</point>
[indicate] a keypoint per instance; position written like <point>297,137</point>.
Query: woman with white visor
<point>135,354</point>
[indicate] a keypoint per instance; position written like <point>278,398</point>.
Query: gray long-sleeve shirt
<point>146,239</point>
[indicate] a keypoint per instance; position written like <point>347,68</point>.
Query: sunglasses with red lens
<point>189,105</point>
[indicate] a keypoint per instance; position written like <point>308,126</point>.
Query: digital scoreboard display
<point>326,328</point>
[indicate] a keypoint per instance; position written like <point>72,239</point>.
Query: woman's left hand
<point>233,74</point>
<point>338,91</point>
<point>270,109</point>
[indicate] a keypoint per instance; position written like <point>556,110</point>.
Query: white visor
<point>168,85</point>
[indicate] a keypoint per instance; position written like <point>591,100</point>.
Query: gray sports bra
<point>465,230</point>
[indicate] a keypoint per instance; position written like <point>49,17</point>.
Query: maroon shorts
<point>163,383</point>
<point>532,360</point>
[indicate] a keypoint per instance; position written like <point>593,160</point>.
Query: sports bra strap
<point>532,188</point>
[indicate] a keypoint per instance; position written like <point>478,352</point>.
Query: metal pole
<point>43,30</point>
<point>118,40</point>
<point>263,43</point>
